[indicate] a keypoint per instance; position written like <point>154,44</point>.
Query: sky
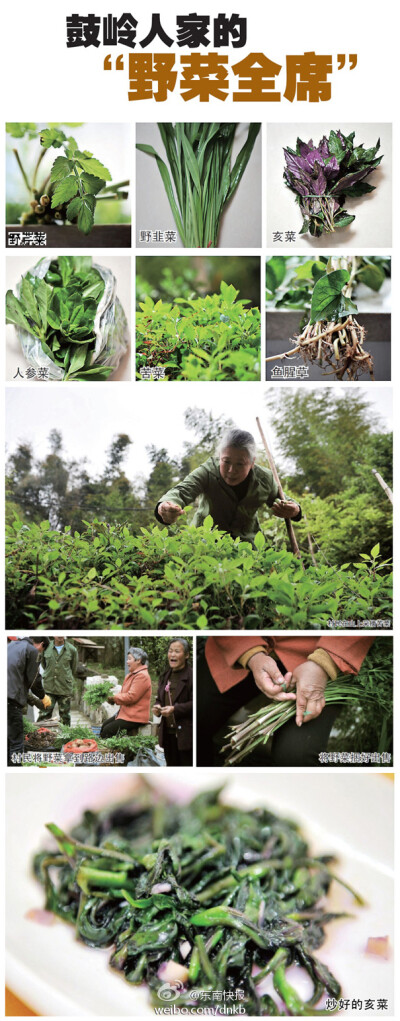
<point>89,416</point>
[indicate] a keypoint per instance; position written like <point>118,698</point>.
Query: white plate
<point>348,814</point>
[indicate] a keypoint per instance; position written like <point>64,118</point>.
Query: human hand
<point>269,679</point>
<point>169,512</point>
<point>167,710</point>
<point>157,709</point>
<point>310,680</point>
<point>46,701</point>
<point>285,509</point>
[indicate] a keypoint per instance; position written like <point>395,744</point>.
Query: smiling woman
<point>174,706</point>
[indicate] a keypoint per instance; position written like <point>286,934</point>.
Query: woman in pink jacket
<point>284,668</point>
<point>133,699</point>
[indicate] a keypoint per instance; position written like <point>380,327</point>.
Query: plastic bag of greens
<point>69,321</point>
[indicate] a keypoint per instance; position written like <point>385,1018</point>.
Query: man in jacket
<point>231,488</point>
<point>23,678</point>
<point>284,668</point>
<point>60,662</point>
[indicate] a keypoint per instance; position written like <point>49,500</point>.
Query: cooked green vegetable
<point>205,892</point>
<point>200,182</point>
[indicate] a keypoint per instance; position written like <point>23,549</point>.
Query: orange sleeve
<point>347,652</point>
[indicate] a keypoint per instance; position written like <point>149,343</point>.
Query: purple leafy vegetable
<point>322,175</point>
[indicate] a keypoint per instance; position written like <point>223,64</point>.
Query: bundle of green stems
<point>260,726</point>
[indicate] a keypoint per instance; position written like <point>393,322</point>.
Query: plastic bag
<point>110,327</point>
<point>146,757</point>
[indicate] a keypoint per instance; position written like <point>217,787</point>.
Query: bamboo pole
<point>288,523</point>
<point>382,483</point>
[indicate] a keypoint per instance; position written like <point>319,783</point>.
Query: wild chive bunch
<point>322,175</point>
<point>199,896</point>
<point>200,182</point>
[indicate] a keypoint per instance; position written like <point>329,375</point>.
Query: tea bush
<point>210,338</point>
<point>185,577</point>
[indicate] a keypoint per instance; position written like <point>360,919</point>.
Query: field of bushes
<point>184,577</point>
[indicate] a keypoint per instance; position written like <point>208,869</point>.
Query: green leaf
<point>17,130</point>
<point>43,297</point>
<point>64,191</point>
<point>372,276</point>
<point>344,221</point>
<point>15,314</point>
<point>86,213</point>
<point>52,136</point>
<point>78,358</point>
<point>375,551</point>
<point>167,183</point>
<point>275,270</point>
<point>92,166</point>
<point>73,208</point>
<point>60,169</point>
<point>326,295</point>
<point>91,183</point>
<point>29,300</point>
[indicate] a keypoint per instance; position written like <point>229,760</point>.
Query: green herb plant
<point>231,896</point>
<point>129,744</point>
<point>77,180</point>
<point>95,694</point>
<point>200,181</point>
<point>188,577</point>
<point>59,310</point>
<point>324,287</point>
<point>77,733</point>
<point>215,337</point>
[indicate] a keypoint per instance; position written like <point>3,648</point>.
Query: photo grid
<point>198,564</point>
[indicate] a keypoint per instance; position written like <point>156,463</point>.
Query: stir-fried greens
<point>227,896</point>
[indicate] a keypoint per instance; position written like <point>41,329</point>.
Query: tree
<point>322,436</point>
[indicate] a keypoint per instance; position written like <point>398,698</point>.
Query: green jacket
<point>59,669</point>
<point>220,500</point>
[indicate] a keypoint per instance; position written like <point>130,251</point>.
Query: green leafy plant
<point>215,337</point>
<point>200,181</point>
<point>95,694</point>
<point>29,727</point>
<point>132,743</point>
<point>59,310</point>
<point>192,889</point>
<point>77,180</point>
<point>324,288</point>
<point>77,733</point>
<point>188,577</point>
<point>321,176</point>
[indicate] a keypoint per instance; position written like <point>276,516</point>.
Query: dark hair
<point>138,654</point>
<point>40,639</point>
<point>184,643</point>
